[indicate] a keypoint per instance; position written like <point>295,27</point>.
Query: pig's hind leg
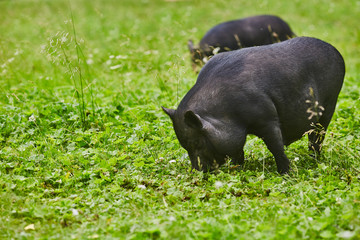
<point>317,132</point>
<point>316,137</point>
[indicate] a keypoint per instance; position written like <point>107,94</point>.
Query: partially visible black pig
<point>277,92</point>
<point>233,35</point>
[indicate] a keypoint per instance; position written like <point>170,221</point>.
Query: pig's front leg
<point>271,134</point>
<point>238,159</point>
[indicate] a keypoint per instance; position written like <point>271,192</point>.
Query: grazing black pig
<point>277,92</point>
<point>233,35</point>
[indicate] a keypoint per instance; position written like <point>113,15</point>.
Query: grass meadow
<point>87,153</point>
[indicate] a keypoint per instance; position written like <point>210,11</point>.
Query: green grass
<point>87,153</point>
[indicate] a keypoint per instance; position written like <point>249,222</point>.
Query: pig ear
<point>191,46</point>
<point>169,112</point>
<point>193,120</point>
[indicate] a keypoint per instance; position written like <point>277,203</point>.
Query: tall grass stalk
<point>83,78</point>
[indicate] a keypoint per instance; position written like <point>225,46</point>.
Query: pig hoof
<point>284,171</point>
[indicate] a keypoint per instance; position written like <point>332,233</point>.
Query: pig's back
<point>304,57</point>
<point>251,31</point>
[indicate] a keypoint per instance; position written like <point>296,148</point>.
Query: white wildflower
<point>30,227</point>
<point>32,118</point>
<point>141,186</point>
<point>64,38</point>
<point>115,67</point>
<point>75,212</point>
<point>218,184</point>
